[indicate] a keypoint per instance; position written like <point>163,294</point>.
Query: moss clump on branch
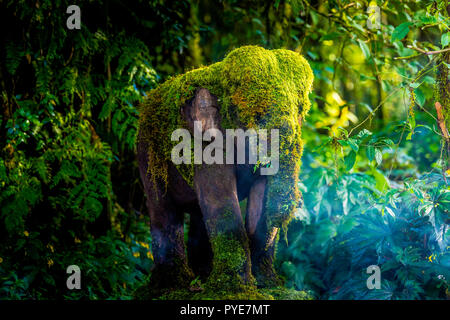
<point>256,88</point>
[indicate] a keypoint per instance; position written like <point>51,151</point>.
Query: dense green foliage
<point>374,175</point>
<point>350,221</point>
<point>68,122</point>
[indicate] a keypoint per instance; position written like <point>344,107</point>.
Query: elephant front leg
<point>216,190</point>
<point>198,246</point>
<point>171,269</point>
<point>262,241</point>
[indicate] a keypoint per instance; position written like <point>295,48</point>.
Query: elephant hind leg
<point>198,246</point>
<point>262,242</point>
<point>216,190</point>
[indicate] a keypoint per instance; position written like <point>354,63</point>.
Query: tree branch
<point>428,52</point>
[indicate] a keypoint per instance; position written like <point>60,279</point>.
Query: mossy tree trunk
<point>444,86</point>
<point>443,94</point>
<point>443,97</point>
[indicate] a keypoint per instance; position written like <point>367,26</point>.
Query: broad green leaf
<point>420,97</point>
<point>350,160</point>
<point>401,31</point>
<point>445,39</point>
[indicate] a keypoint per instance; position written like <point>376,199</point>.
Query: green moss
<point>164,279</point>
<point>257,88</point>
<point>281,293</point>
<point>230,271</point>
<point>249,294</point>
<point>443,86</point>
<point>225,223</point>
<point>278,293</point>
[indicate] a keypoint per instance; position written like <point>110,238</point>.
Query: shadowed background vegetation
<point>374,171</point>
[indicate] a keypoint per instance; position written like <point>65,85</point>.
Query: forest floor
<point>278,293</point>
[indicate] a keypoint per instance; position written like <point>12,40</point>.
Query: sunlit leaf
<point>378,156</point>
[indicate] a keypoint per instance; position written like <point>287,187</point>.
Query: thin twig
<point>336,19</point>
<point>374,110</point>
<point>407,57</point>
<point>428,52</point>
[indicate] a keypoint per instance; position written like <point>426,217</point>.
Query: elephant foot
<point>231,267</point>
<point>266,276</point>
<point>165,278</point>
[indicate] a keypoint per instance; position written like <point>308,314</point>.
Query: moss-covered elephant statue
<point>251,88</point>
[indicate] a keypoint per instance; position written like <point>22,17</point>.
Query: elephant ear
<point>204,108</point>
